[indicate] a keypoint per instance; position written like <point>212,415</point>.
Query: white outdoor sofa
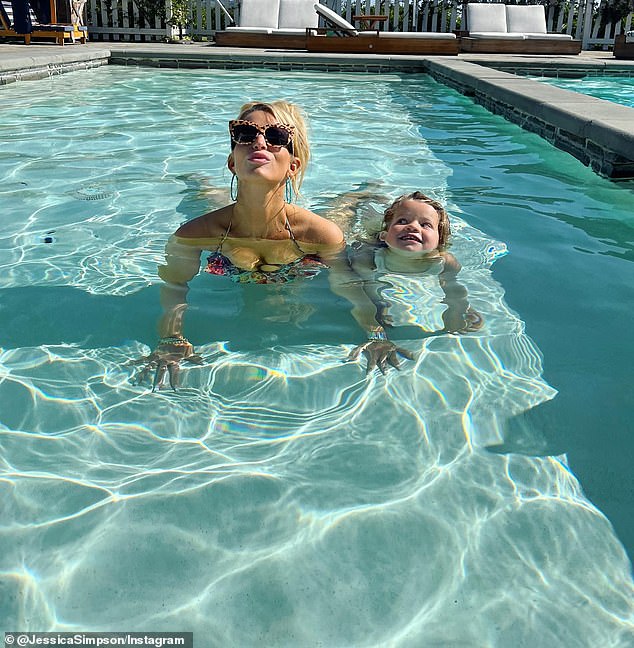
<point>293,24</point>
<point>342,37</point>
<point>270,23</point>
<point>512,29</point>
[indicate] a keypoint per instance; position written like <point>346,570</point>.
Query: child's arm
<point>459,317</point>
<point>362,262</point>
<point>347,279</point>
<point>368,310</point>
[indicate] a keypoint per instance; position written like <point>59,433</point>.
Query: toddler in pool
<point>411,278</point>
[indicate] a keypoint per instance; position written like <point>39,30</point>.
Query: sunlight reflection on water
<point>280,497</point>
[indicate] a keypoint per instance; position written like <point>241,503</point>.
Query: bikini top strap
<point>224,238</point>
<point>288,227</point>
<point>290,231</point>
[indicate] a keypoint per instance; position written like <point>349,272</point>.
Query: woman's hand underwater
<point>166,359</point>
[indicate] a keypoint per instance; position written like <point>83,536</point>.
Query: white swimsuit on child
<point>413,299</point>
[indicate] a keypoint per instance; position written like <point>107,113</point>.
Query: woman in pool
<point>399,276</point>
<point>262,237</point>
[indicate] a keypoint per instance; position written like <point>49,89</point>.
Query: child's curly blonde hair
<point>444,227</point>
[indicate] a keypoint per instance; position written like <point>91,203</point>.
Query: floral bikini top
<point>306,266</point>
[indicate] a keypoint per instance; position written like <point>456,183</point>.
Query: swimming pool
<point>619,89</point>
<point>280,497</point>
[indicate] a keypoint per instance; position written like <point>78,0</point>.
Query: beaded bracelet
<point>377,333</point>
<point>176,340</point>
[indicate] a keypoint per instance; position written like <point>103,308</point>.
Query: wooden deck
<point>550,46</point>
<point>375,43</point>
<point>266,41</point>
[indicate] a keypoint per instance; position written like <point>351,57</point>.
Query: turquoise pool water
<point>481,496</point>
<point>619,89</point>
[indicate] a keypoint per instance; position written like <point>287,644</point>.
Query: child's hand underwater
<point>380,353</point>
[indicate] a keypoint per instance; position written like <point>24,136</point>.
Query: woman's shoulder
<point>208,226</point>
<point>317,229</point>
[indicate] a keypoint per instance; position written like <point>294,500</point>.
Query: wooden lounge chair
<point>27,26</point>
<point>270,23</point>
<point>343,37</point>
<point>624,46</point>
<point>512,29</point>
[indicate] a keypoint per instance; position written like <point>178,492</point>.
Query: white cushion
<point>289,31</point>
<point>527,19</point>
<point>330,16</point>
<point>629,37</point>
<point>251,30</point>
<point>297,14</point>
<point>418,35</point>
<point>550,36</point>
<point>259,13</point>
<point>497,35</point>
<point>486,18</point>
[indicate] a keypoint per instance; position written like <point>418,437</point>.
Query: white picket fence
<point>116,20</point>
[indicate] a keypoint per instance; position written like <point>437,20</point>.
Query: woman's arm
<point>355,207</point>
<point>182,263</point>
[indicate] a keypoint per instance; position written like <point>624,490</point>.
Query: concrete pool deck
<point>597,132</point>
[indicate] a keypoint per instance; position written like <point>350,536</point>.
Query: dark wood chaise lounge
<point>624,46</point>
<point>384,43</point>
<point>512,29</point>
<point>342,37</point>
<point>30,27</point>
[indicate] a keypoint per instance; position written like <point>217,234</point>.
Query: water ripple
<point>280,497</point>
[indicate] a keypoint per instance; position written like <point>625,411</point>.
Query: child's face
<point>414,227</point>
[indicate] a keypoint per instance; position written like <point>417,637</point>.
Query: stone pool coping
<point>597,132</point>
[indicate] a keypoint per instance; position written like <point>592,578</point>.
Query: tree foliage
<point>612,11</point>
<point>152,9</point>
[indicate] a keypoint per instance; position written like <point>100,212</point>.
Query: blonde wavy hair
<point>444,227</point>
<point>285,112</point>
